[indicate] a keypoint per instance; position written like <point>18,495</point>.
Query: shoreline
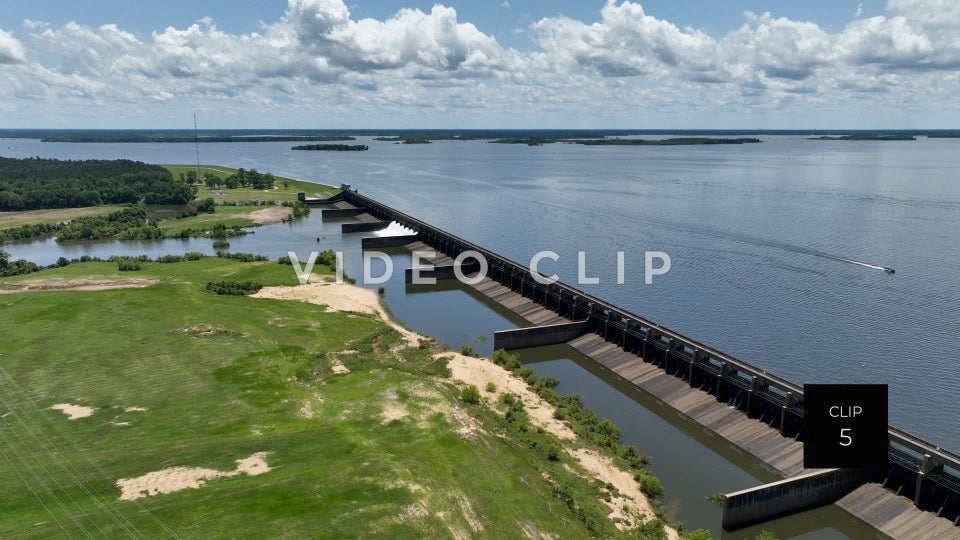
<point>626,507</point>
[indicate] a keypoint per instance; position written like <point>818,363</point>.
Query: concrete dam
<point>916,495</point>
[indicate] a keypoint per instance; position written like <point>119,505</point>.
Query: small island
<point>864,137</point>
<point>404,140</point>
<point>333,147</point>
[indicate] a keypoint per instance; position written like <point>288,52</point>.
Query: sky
<point>737,64</point>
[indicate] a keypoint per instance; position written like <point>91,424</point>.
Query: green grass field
<point>223,377</point>
<point>282,192</point>
<point>224,215</point>
<point>53,215</point>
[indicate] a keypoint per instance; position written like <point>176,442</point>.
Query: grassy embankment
<point>179,377</point>
<point>53,215</point>
<point>228,216</point>
<point>286,188</point>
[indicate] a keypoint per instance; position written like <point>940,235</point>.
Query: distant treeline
<point>404,140</point>
<point>865,137</point>
<point>35,183</point>
<point>537,141</point>
<point>171,136</point>
<point>333,147</point>
<point>663,142</point>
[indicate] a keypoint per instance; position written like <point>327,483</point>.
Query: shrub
<point>382,292</point>
<point>193,256</point>
<point>719,499</point>
<point>285,260</point>
<point>649,483</point>
<point>236,288</point>
<point>63,261</point>
<point>221,231</point>
<point>300,210</point>
<point>327,258</point>
<point>505,359</point>
<point>470,395</point>
<point>491,387</point>
<point>17,267</point>
<point>170,259</point>
<point>466,350</point>
<point>242,257</point>
<point>206,206</point>
<point>128,264</point>
<point>220,244</point>
<point>608,428</point>
<point>527,374</point>
<point>697,534</point>
<point>552,451</point>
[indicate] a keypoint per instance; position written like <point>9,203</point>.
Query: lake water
<point>765,241</point>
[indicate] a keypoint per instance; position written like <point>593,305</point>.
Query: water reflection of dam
<point>917,494</point>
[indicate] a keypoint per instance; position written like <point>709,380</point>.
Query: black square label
<point>845,425</point>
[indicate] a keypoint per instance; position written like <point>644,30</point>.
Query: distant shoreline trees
<point>333,147</point>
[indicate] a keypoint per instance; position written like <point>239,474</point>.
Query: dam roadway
<point>916,496</point>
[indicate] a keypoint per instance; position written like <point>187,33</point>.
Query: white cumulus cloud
<point>317,60</point>
<point>11,50</point>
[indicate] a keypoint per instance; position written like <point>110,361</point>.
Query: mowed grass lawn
<point>223,377</point>
<point>280,193</point>
<point>224,215</point>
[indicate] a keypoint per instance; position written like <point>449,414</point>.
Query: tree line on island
<point>333,147</point>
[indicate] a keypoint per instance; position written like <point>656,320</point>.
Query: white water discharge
<point>395,229</point>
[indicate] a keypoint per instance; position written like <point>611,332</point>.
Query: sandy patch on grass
<point>338,368</point>
<point>206,330</point>
<point>270,214</point>
<point>393,411</point>
<point>306,411</point>
<point>531,531</point>
<point>468,514</point>
<point>629,500</point>
<point>179,478</point>
<point>480,371</point>
<point>119,424</point>
<point>73,412</point>
<point>74,284</point>
<point>134,409</point>
<point>339,297</point>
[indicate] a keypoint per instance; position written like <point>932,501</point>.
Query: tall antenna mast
<point>196,142</point>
